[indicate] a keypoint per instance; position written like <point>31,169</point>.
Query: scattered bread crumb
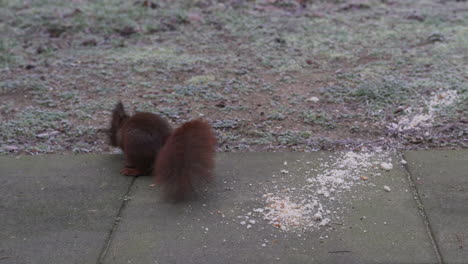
<point>386,166</point>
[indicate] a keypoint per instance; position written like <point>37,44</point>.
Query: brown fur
<point>186,159</point>
<point>140,136</point>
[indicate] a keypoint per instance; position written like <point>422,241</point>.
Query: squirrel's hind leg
<point>140,151</point>
<point>131,171</point>
<point>129,168</point>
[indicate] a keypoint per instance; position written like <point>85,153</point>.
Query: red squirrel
<point>178,159</point>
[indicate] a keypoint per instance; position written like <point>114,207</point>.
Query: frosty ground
<point>268,75</point>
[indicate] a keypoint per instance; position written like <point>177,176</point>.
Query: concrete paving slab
<point>375,226</point>
<point>58,209</point>
<point>441,178</point>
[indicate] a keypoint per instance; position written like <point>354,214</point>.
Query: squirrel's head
<point>118,119</point>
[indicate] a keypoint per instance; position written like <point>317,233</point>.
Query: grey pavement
<point>58,209</point>
<point>441,178</point>
<point>78,209</point>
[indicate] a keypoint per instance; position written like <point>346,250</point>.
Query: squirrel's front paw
<point>130,172</point>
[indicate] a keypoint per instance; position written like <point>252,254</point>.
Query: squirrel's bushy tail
<point>186,159</point>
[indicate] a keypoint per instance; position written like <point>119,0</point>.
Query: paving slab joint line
<point>422,211</point>
<point>117,219</point>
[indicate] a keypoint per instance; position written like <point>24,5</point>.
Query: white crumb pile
<point>318,202</point>
<point>386,166</point>
<point>343,173</point>
<point>284,214</point>
<point>424,116</point>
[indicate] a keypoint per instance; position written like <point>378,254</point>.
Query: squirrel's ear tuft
<point>118,118</point>
<point>119,110</point>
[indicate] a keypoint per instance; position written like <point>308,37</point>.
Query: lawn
<point>268,75</point>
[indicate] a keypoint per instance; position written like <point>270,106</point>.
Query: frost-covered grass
<point>248,68</point>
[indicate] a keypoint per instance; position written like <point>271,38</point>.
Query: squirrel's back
<point>140,136</point>
<point>146,126</point>
<point>143,136</point>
